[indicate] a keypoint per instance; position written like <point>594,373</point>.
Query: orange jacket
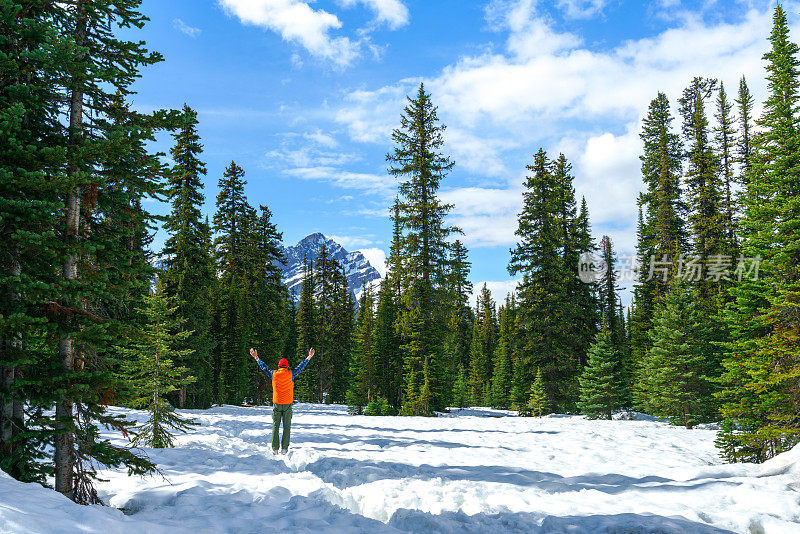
<point>282,386</point>
<point>283,381</point>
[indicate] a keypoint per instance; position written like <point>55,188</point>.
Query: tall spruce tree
<point>744,104</point>
<point>189,266</point>
<point>364,384</point>
<point>233,225</point>
<point>762,370</point>
<point>482,345</point>
<point>706,217</point>
<point>417,162</point>
<point>459,316</point>
<point>661,229</point>
<point>725,137</point>
<point>305,324</point>
<point>108,169</point>
<point>544,306</point>
<point>608,291</point>
<point>31,156</point>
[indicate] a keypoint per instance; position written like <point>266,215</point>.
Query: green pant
<point>281,412</point>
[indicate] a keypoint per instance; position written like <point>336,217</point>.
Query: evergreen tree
<point>234,226</point>
<point>682,362</point>
<point>306,330</point>
<point>151,375</point>
<point>707,218</point>
<point>661,232</point>
<point>189,269</point>
<point>725,136</point>
<point>365,382</point>
<point>386,339</point>
<point>502,360</point>
<point>268,297</point>
<point>31,154</point>
<point>762,375</point>
<point>457,339</point>
<point>482,346</point>
<point>420,216</point>
<point>603,384</point>
<point>744,103</point>
<point>537,397</point>
<point>586,293</point>
<point>461,395</point>
<point>544,307</point>
<point>608,291</point>
<point>107,170</point>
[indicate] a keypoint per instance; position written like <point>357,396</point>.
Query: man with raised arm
<point>282,397</point>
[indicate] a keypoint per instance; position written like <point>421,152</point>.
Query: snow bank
<point>470,471</point>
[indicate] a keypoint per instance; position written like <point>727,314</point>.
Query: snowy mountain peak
<point>357,268</point>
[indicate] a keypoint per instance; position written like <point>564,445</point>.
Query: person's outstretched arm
<point>302,364</point>
<point>262,365</point>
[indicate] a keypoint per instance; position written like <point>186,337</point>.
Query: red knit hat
<point>283,363</point>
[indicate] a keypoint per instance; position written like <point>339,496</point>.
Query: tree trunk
<point>65,433</point>
<point>6,406</point>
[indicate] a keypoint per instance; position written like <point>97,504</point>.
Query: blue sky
<point>303,95</point>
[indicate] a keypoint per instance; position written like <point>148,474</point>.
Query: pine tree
<point>725,137</point>
<point>482,345</point>
<point>388,358</point>
<point>762,374</point>
<point>544,307</point>
<point>502,361</point>
<point>420,216</point>
<point>459,320</point>
<point>608,290</point>
<point>31,152</point>
<point>107,170</point>
<point>682,362</point>
<point>306,330</point>
<point>603,384</point>
<point>461,395</point>
<point>744,102</point>
<point>580,308</point>
<point>587,291</point>
<point>151,375</point>
<point>234,223</point>
<point>661,232</point>
<point>365,381</point>
<point>707,218</point>
<point>537,397</point>
<point>189,269</point>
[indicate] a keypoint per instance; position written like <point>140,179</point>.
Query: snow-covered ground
<point>473,471</point>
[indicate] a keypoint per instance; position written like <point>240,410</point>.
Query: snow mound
<point>787,463</point>
<point>630,415</point>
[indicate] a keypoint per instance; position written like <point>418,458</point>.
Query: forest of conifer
<point>87,321</point>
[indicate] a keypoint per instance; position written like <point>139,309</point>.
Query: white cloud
<point>393,13</point>
<point>351,242</point>
<point>582,9</point>
<point>377,258</point>
<point>320,138</point>
<point>487,216</point>
<point>307,156</point>
<point>297,22</point>
<point>184,28</point>
<point>375,183</point>
<point>548,89</point>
